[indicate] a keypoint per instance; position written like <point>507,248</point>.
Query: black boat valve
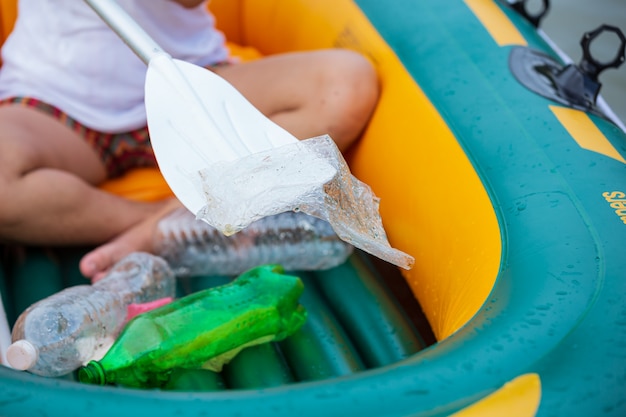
<point>575,85</point>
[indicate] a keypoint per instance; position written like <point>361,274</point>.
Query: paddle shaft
<point>127,29</point>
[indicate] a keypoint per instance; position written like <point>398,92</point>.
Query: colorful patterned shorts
<point>118,151</point>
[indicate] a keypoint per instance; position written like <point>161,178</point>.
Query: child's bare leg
<point>309,94</point>
<point>47,185</point>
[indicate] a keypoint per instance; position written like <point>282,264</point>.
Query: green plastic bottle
<point>202,330</point>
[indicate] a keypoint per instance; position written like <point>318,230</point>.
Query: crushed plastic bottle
<point>60,333</point>
<point>294,240</point>
<point>203,330</point>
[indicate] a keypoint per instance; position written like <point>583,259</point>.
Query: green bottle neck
<point>92,373</point>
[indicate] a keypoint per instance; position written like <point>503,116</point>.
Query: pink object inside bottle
<point>135,309</point>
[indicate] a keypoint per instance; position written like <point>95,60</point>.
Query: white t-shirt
<point>62,53</point>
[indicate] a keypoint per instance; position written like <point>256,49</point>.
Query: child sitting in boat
<point>72,116</point>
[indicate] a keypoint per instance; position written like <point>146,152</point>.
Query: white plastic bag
<point>309,176</point>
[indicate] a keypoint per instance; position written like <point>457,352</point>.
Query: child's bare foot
<point>95,264</point>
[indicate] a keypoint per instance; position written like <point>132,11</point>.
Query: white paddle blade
<point>230,165</point>
<point>196,119</point>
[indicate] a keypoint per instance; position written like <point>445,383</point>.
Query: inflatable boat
<point>499,169</point>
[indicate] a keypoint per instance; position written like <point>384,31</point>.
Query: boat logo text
<point>617,201</point>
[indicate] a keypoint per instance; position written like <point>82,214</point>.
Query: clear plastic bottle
<point>294,240</point>
<point>60,333</point>
<point>202,330</point>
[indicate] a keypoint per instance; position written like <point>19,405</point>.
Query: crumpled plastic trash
<point>309,176</point>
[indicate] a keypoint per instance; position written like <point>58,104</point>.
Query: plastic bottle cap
<point>22,355</point>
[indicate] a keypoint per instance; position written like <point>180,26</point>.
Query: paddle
<point>230,165</point>
<point>195,117</point>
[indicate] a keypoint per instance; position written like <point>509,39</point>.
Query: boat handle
<point>591,66</point>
